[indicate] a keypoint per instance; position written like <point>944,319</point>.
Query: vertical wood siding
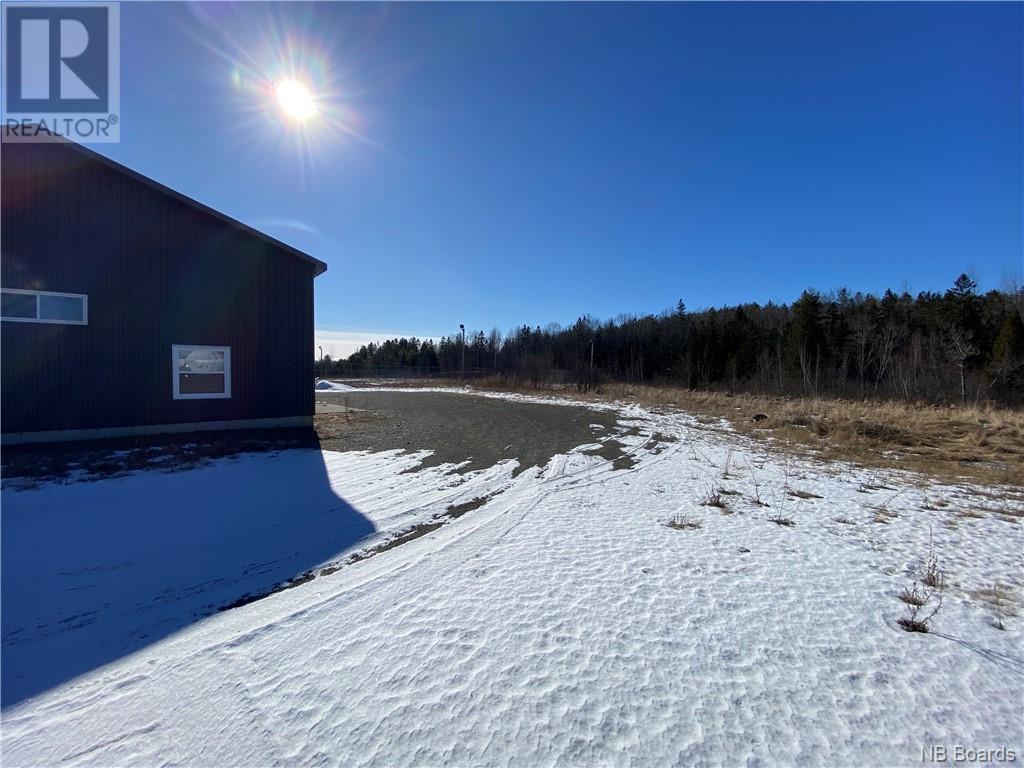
<point>157,272</point>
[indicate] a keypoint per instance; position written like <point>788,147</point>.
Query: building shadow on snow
<point>94,571</point>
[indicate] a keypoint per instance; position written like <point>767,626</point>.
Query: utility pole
<point>321,359</point>
<point>591,355</point>
<point>462,333</point>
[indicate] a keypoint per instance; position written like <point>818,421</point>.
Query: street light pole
<point>462,330</point>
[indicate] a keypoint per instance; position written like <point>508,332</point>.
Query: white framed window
<point>201,372</point>
<point>20,306</point>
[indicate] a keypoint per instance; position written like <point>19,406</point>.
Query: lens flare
<point>292,88</point>
<point>295,100</point>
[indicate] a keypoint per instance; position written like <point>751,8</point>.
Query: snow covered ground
<point>332,386</point>
<point>561,622</point>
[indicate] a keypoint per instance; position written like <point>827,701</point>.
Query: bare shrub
<point>931,576</point>
<point>918,618</point>
<point>924,598</point>
<point>757,486</point>
<point>780,517</point>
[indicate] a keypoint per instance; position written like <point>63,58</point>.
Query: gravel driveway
<point>459,426</point>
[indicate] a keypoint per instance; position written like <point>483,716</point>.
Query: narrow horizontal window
<point>22,306</point>
<point>200,373</point>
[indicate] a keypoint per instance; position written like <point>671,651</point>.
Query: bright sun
<point>295,99</point>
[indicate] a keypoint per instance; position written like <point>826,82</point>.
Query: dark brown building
<point>128,308</point>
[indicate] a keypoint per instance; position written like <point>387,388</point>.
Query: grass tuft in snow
<point>913,596</point>
<point>683,522</point>
<point>1002,600</point>
<point>713,498</point>
<point>799,494</point>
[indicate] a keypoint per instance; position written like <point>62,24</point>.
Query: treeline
<point>956,346</point>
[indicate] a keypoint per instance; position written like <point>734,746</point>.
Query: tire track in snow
<point>365,573</point>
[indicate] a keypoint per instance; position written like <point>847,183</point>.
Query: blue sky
<point>495,164</point>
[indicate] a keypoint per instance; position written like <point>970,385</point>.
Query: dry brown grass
<point>713,498</point>
<point>682,522</point>
<point>884,516</point>
<point>1004,601</point>
<point>974,443</point>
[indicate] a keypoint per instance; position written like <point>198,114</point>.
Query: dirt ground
<point>459,426</point>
